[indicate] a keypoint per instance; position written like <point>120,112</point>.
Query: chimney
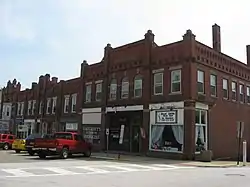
<point>149,36</point>
<point>47,77</point>
<point>216,37</point>
<point>189,35</point>
<point>33,85</point>
<point>84,64</point>
<point>248,55</point>
<point>54,80</point>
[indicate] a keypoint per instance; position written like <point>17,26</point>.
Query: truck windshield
<point>66,136</point>
<point>33,136</point>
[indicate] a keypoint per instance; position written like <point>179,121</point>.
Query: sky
<point>55,36</point>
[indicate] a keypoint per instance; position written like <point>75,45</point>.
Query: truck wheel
<point>42,155</point>
<point>31,153</point>
<point>5,146</point>
<point>65,153</point>
<point>87,153</point>
<point>17,151</point>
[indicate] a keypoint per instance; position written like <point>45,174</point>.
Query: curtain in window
<point>178,131</point>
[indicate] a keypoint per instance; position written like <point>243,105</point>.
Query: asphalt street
<point>22,170</point>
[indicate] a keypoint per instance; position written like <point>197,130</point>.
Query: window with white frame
<point>66,103</point>
<point>22,108</point>
<point>138,86</point>
<point>166,133</point>
<point>234,90</point>
<point>19,108</point>
<point>248,94</point>
<point>40,107</point>
<point>73,103</point>
<point>200,130</point>
<point>33,107</point>
<point>8,109</point>
<point>113,89</point>
<point>125,88</point>
<point>48,109</point>
<point>200,82</point>
<point>54,100</point>
<point>29,107</point>
<point>225,88</point>
<point>213,85</point>
<point>88,93</point>
<point>158,83</point>
<point>241,91</point>
<point>98,91</point>
<point>176,81</point>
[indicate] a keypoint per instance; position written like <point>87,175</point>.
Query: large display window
<point>166,134</point>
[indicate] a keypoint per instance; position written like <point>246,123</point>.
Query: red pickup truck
<point>63,144</point>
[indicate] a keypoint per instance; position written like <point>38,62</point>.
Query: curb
<point>206,166</point>
<point>109,158</point>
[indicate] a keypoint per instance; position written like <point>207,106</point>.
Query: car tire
<point>31,153</point>
<point>6,146</point>
<point>18,151</point>
<point>87,153</point>
<point>42,155</point>
<point>64,153</point>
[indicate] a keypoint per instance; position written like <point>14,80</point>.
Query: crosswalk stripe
<point>92,169</point>
<point>164,165</point>
<point>121,168</point>
<point>147,167</point>
<point>60,171</point>
<point>17,172</point>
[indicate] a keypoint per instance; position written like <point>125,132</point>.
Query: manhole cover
<point>235,174</point>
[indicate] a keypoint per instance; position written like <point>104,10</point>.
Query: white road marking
<point>89,170</point>
<point>149,167</point>
<point>60,171</point>
<point>18,172</point>
<point>92,169</point>
<point>121,168</point>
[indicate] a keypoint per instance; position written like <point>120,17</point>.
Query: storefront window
<point>166,134</point>
<point>201,130</point>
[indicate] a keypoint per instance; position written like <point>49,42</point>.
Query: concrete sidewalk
<point>145,159</point>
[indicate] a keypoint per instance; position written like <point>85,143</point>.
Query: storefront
<point>166,132</point>
<point>129,119</point>
<point>26,128</point>
<point>4,126</point>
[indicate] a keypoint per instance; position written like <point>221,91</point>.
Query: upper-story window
<point>29,107</point>
<point>113,89</point>
<point>138,86</point>
<point>48,110</point>
<point>22,108</point>
<point>248,94</point>
<point>225,88</point>
<point>19,105</point>
<point>125,88</point>
<point>176,81</point>
<point>234,91</point>
<point>33,107</point>
<point>98,91</point>
<point>73,103</point>
<point>158,83</point>
<point>40,107</point>
<point>54,100</point>
<point>8,108</point>
<point>213,85</point>
<point>66,103</point>
<point>241,91</point>
<point>88,93</point>
<point>200,82</point>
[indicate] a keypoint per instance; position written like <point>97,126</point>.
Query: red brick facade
<point>141,60</point>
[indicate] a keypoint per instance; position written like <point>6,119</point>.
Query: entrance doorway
<point>135,139</point>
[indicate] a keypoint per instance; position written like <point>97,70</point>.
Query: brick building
<point>172,100</point>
